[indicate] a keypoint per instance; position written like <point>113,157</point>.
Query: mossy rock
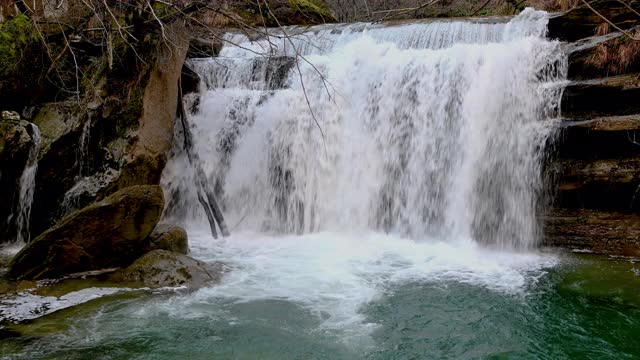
<point>313,8</point>
<point>107,234</point>
<point>299,12</point>
<point>162,268</point>
<point>168,237</point>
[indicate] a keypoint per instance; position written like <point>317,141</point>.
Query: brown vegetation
<point>618,56</point>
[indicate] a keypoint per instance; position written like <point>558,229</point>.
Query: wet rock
<point>161,268</point>
<point>168,237</point>
<point>55,120</point>
<point>607,184</point>
<point>110,233</point>
<point>104,144</point>
<point>60,125</point>
<point>612,96</point>
<point>614,137</point>
<point>600,232</point>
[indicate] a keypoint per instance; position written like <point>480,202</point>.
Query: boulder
<point>168,237</point>
<point>110,233</point>
<point>161,268</point>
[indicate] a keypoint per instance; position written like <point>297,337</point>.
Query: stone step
<point>606,184</point>
<point>612,233</point>
<point>611,96</point>
<point>599,138</point>
<point>582,22</point>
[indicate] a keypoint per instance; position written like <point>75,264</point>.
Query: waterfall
<point>429,130</point>
<point>82,157</point>
<point>26,189</point>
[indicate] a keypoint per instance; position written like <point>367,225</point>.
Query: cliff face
<point>596,166</point>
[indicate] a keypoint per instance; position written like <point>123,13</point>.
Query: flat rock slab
<point>602,232</point>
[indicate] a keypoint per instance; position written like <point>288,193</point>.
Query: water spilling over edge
<point>432,130</point>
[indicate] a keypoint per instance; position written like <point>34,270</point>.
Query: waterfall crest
<point>429,130</point>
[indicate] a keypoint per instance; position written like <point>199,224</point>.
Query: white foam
<point>27,306</point>
<point>335,275</point>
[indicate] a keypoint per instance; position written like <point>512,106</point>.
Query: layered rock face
<point>93,149</point>
<point>596,164</point>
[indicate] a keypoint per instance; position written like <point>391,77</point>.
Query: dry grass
<point>617,57</point>
<point>603,29</point>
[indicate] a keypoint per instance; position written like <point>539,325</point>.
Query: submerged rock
<point>161,268</point>
<point>170,238</point>
<point>110,233</point>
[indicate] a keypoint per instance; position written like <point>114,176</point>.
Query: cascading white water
<point>27,187</point>
<point>83,153</point>
<point>428,130</point>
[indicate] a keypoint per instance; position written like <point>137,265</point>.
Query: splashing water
<point>429,131</point>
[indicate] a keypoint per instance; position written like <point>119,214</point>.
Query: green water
<point>584,308</point>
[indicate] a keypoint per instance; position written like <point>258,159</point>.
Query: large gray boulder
<point>161,268</point>
<point>107,234</point>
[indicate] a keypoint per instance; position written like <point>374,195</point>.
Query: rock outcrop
<point>107,234</point>
<point>108,142</point>
<point>161,268</point>
<point>596,166</point>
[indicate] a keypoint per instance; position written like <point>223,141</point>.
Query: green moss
<point>16,35</point>
<point>316,7</point>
